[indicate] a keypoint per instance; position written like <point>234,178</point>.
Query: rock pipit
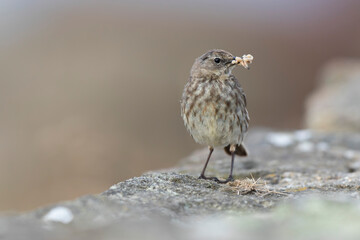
<point>213,105</point>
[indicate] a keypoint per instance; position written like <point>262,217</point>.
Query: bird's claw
<point>229,179</point>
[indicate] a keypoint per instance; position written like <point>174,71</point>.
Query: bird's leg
<point>230,178</point>
<point>202,175</point>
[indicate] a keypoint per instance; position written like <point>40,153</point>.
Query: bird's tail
<point>240,150</point>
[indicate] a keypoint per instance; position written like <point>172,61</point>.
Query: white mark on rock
<point>59,214</point>
<point>322,146</point>
<point>349,154</point>
<point>280,139</point>
<point>286,180</point>
<point>303,135</point>
<point>305,146</point>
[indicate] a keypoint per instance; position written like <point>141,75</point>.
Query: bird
<point>213,105</point>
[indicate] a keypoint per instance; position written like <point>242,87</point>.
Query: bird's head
<point>214,63</point>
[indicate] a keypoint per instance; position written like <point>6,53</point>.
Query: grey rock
<point>312,182</point>
<point>334,106</point>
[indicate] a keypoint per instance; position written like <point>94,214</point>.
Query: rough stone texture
<point>314,179</point>
<point>334,106</point>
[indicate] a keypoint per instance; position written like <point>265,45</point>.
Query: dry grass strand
<point>250,185</point>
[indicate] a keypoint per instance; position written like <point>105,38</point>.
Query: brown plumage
<point>240,150</point>
<point>213,106</point>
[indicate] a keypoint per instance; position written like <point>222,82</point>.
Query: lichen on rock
<point>288,188</point>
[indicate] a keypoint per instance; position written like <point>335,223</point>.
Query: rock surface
<point>334,106</point>
<point>311,192</point>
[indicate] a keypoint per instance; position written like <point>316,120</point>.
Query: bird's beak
<point>244,61</point>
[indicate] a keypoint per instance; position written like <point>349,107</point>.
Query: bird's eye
<point>217,60</point>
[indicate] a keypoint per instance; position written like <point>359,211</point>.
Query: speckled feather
<point>214,110</point>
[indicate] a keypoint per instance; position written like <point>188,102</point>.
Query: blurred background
<point>90,90</point>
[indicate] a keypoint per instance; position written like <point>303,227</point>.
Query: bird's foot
<point>209,178</point>
<point>229,179</point>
